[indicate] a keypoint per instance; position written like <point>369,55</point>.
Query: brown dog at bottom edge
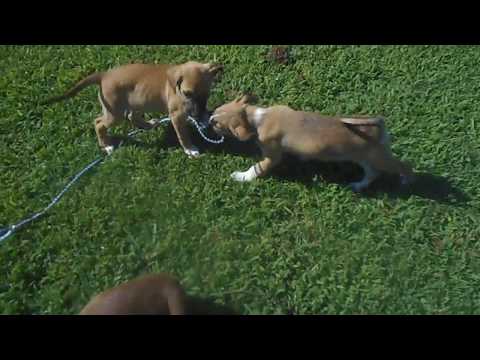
<point>153,294</point>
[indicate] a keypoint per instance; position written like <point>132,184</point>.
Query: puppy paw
<point>154,123</point>
<point>239,176</point>
<point>109,149</point>
<point>193,152</point>
<point>244,176</point>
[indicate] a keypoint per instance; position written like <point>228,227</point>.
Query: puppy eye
<point>188,93</point>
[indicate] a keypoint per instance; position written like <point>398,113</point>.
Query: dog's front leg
<point>179,121</point>
<point>271,159</point>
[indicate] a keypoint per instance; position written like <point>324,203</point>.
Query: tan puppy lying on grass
<point>154,294</point>
<point>280,129</point>
<point>131,90</point>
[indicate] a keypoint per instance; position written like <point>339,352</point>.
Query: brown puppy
<point>131,90</point>
<point>155,294</point>
<point>280,129</point>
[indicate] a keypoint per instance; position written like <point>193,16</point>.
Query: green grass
<point>298,241</point>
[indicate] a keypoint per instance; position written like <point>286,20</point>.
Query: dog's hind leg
<point>138,119</point>
<point>105,141</point>
<point>370,174</point>
<point>102,124</point>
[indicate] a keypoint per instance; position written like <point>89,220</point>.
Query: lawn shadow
<point>206,306</point>
<point>167,139</point>
<point>427,186</point>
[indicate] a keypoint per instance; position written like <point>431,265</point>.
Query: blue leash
<point>9,230</point>
<point>6,232</point>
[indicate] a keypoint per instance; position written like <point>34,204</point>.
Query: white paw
<point>239,176</point>
<point>244,176</point>
<point>109,149</point>
<point>193,152</point>
<point>154,122</point>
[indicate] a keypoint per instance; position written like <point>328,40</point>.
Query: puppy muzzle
<point>218,129</point>
<point>212,120</point>
<point>199,114</point>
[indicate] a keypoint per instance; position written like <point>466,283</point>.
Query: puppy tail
<point>95,78</point>
<point>376,121</point>
<point>373,121</point>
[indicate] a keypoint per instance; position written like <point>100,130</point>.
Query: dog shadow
<point>426,185</point>
<point>312,173</point>
<point>206,306</point>
<point>168,140</point>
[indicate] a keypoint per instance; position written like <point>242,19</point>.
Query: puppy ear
<point>214,69</point>
<point>174,77</point>
<point>243,131</point>
<point>250,98</point>
<point>239,98</point>
<point>246,99</point>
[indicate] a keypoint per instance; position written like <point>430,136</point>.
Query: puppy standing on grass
<point>280,129</point>
<point>131,90</point>
<point>155,294</point>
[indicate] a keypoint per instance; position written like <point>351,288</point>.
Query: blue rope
<point>200,129</point>
<point>9,230</point>
<point>12,228</point>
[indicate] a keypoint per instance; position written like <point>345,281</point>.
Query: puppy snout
<point>199,112</point>
<point>195,111</point>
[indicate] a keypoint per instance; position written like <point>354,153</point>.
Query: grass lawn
<point>299,241</point>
